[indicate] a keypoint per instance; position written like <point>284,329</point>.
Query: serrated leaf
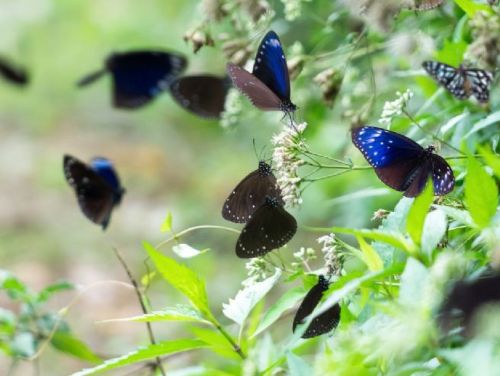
<point>287,301</point>
<point>178,313</point>
<point>186,251</point>
<point>69,344</point>
<point>434,229</point>
<point>418,212</point>
<point>370,256</point>
<point>145,353</point>
<point>166,226</point>
<point>181,278</point>
<point>481,194</point>
<point>239,308</point>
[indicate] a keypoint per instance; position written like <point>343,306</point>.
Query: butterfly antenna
<point>92,77</point>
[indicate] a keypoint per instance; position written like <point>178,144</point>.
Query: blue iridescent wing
<point>104,168</point>
<point>270,66</point>
<point>140,76</point>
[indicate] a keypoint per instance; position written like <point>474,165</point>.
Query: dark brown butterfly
<point>401,163</point>
<point>139,76</point>
<point>13,74</point>
<point>97,187</point>
<point>322,323</point>
<point>270,227</point>
<point>203,95</point>
<point>250,194</point>
<point>268,86</point>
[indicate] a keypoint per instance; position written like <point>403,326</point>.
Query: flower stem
<point>190,229</point>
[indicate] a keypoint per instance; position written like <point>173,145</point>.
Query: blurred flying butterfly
<point>401,163</point>
<point>97,187</point>
<point>15,75</point>
<point>461,82</point>
<point>250,194</point>
<point>202,95</point>
<point>322,323</point>
<point>139,76</point>
<point>270,227</point>
<point>268,86</point>
<point>466,299</point>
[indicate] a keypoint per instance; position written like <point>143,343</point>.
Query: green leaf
<point>434,229</point>
<point>471,8</point>
<point>452,53</point>
<point>186,251</point>
<point>493,160</point>
<point>52,289</point>
<point>459,215</point>
<point>481,194</point>
<point>390,237</point>
<point>287,301</point>
<point>181,278</point>
<point>145,353</point>
<point>418,212</point>
<point>240,307</point>
<point>413,278</point>
<point>370,257</point>
<point>216,342</point>
<point>13,286</point>
<point>177,313</point>
<point>69,344</point>
<point>297,366</point>
<point>166,226</point>
<point>492,119</point>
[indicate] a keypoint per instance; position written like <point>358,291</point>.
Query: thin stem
<point>188,230</point>
<point>327,176</point>
<point>140,297</point>
<point>226,335</point>
<point>326,157</point>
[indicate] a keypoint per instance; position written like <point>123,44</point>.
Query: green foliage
<point>418,213</point>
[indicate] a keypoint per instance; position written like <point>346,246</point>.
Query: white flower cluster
<point>395,107</point>
<point>303,256</point>
<point>257,270</point>
<point>287,145</point>
<point>232,109</point>
<point>328,243</point>
<point>293,9</point>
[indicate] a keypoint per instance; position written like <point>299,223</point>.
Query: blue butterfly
<point>268,86</point>
<point>139,76</point>
<point>401,163</point>
<point>97,187</point>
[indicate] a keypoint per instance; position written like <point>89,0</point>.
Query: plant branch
<point>190,229</point>
<point>230,339</point>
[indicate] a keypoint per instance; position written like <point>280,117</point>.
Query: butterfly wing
<point>104,168</point>
<point>396,159</point>
<point>249,195</point>
<point>426,4</point>
<point>323,323</point>
<point>442,175</point>
<point>270,66</point>
<point>270,227</point>
<point>204,95</point>
<point>13,74</point>
<point>480,81</point>
<point>95,195</point>
<point>140,76</point>
<point>451,78</point>
<point>254,89</point>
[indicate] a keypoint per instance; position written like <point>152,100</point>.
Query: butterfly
<point>270,227</point>
<point>467,297</point>
<point>268,86</point>
<point>97,187</point>
<point>13,74</point>
<point>461,82</point>
<point>322,323</point>
<point>401,163</point>
<point>420,5</point>
<point>202,95</point>
<point>250,194</point>
<point>139,76</point>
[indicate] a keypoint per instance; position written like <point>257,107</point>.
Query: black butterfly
<point>401,163</point>
<point>270,227</point>
<point>323,323</point>
<point>268,86</point>
<point>250,194</point>
<point>467,298</point>
<point>461,82</point>
<point>203,95</point>
<point>139,76</point>
<point>13,74</point>
<point>97,187</point>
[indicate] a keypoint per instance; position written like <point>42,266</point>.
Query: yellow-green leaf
<point>166,226</point>
<point>418,212</point>
<point>370,257</point>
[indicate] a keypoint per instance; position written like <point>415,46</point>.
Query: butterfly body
<point>324,322</point>
<point>270,227</point>
<point>268,86</point>
<point>97,187</point>
<point>250,194</point>
<point>139,76</point>
<point>401,163</point>
<point>14,74</point>
<point>461,82</point>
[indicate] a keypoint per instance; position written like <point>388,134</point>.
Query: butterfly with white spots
<point>401,163</point>
<point>461,82</point>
